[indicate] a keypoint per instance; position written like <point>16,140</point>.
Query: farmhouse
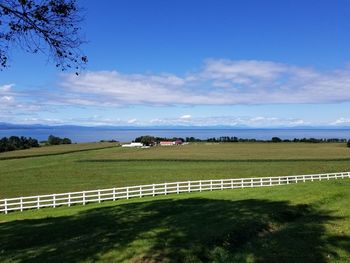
<point>133,144</point>
<point>166,143</point>
<point>178,142</point>
<point>170,143</point>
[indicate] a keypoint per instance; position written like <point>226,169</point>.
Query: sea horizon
<point>80,134</point>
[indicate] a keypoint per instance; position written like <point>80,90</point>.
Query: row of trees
<point>273,139</point>
<point>53,140</point>
<point>151,140</point>
<point>17,143</point>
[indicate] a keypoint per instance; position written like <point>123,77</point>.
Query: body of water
<point>84,134</point>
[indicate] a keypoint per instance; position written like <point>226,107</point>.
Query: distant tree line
<point>148,139</point>
<point>273,139</point>
<point>17,143</point>
<point>109,140</point>
<point>54,140</point>
<point>151,140</point>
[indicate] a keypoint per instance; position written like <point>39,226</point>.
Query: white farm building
<point>133,144</point>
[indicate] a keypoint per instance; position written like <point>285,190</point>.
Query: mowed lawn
<point>307,222</point>
<point>116,166</point>
<point>54,150</point>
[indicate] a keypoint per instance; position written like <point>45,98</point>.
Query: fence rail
<point>113,194</point>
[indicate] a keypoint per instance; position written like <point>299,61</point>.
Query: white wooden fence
<point>112,194</point>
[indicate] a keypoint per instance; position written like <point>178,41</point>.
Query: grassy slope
<point>54,150</point>
<point>296,223</point>
<point>120,167</point>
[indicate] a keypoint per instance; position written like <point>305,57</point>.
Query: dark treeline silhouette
<point>17,143</point>
<point>53,140</point>
<point>150,140</point>
<point>273,139</point>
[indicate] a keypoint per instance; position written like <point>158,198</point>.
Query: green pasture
<point>55,150</point>
<point>90,168</point>
<point>296,223</point>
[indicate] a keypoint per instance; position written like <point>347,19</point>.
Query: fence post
<point>165,189</point>
<point>200,186</point>
<point>287,180</point>
<point>127,192</point>
<point>177,188</point>
<point>99,195</point>
<point>5,206</point>
<point>38,202</point>
<point>312,178</point>
<point>54,200</point>
<point>304,178</point>
<point>231,183</point>
<point>270,181</point>
<point>222,184</point>
<point>242,183</point>
<point>114,194</point>
<point>279,180</point>
<point>189,186</point>
<point>211,185</point>
<point>69,199</point>
<point>261,182</point>
<point>21,203</point>
<point>84,198</point>
<point>251,182</point>
<point>140,191</point>
<point>153,190</point>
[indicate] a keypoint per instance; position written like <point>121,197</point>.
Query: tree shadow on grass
<point>178,230</point>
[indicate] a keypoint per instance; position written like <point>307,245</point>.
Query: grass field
<point>116,166</point>
<point>296,223</point>
<point>54,150</point>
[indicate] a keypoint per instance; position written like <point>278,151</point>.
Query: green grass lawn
<point>296,223</point>
<point>116,166</point>
<point>54,150</point>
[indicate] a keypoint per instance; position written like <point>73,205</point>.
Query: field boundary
<point>113,194</point>
<point>212,160</point>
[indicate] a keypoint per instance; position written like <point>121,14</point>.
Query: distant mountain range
<point>7,126</point>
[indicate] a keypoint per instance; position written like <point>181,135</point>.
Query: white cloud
<point>6,88</point>
<point>220,82</point>
<point>132,121</point>
<point>12,103</point>
<point>186,117</point>
<point>341,122</point>
<point>7,100</point>
<point>242,71</point>
<point>233,121</point>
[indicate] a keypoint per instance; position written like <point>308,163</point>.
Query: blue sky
<point>237,63</point>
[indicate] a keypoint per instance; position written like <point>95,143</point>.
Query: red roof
<point>166,142</point>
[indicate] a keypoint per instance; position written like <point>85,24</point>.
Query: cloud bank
<point>12,103</point>
<point>219,82</point>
